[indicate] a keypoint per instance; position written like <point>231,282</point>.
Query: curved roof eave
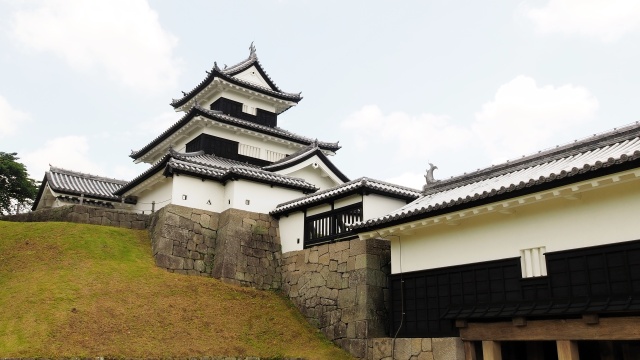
<point>228,74</point>
<point>215,116</point>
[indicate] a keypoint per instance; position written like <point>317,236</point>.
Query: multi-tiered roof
<point>228,76</point>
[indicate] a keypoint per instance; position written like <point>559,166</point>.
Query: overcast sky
<point>461,84</point>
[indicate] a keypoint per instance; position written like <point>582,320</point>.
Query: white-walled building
<point>543,248</point>
<point>62,187</point>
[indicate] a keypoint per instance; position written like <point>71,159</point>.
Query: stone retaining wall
<point>236,246</point>
<point>85,215</point>
<point>415,349</point>
<point>341,288</point>
<point>183,239</point>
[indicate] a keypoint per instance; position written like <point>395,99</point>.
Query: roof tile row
<point>616,147</point>
<point>361,183</point>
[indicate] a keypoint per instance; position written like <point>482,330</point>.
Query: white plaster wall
<point>374,206</point>
<point>160,192</point>
<point>253,76</point>
<point>262,198</point>
<point>317,177</point>
<point>198,193</point>
<point>350,200</point>
<point>318,209</point>
<point>602,216</point>
<point>292,232</point>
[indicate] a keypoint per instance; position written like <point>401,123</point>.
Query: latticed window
<point>332,225</point>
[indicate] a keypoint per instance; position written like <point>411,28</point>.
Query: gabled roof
<point>230,120</point>
<point>77,183</point>
<point>228,74</point>
<point>302,155</point>
<point>601,154</point>
<point>215,168</point>
<point>363,184</point>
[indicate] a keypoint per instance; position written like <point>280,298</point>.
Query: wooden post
<point>491,350</point>
<point>469,350</point>
<point>153,206</point>
<point>567,350</point>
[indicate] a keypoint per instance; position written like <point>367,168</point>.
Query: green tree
<point>16,188</point>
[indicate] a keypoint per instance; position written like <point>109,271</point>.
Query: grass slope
<point>83,290</point>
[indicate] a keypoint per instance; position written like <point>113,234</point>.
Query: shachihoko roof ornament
<point>430,180</point>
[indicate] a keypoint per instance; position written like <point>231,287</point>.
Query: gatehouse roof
<point>598,155</point>
<point>79,184</point>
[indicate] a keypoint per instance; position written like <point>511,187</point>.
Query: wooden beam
<point>591,319</point>
<point>622,328</point>
<point>519,321</point>
<point>491,350</point>
<point>567,350</point>
<point>461,323</point>
<point>469,350</point>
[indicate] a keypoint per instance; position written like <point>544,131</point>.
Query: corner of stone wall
<point>249,243</point>
<point>236,246</point>
<point>183,239</point>
<point>340,288</point>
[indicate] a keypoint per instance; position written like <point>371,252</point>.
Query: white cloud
<point>68,152</point>
<point>523,117</point>
<point>410,136</point>
<point>10,118</point>
<point>607,20</point>
<point>122,37</point>
<point>160,123</point>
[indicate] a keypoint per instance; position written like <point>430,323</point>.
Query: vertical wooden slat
<point>469,350</point>
<point>535,350</point>
<point>630,350</point>
<point>606,350</point>
<point>491,350</point>
<point>567,350</point>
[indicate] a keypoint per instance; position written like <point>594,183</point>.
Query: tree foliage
<point>16,188</point>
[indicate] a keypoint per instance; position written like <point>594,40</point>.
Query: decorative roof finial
<point>252,50</point>
<point>429,177</point>
<point>184,93</point>
<point>215,65</point>
<point>225,66</point>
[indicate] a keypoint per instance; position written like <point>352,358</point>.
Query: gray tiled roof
<point>563,162</point>
<point>66,181</point>
<point>294,156</point>
<point>361,183</point>
<point>216,168</point>
<point>217,116</point>
<point>229,72</point>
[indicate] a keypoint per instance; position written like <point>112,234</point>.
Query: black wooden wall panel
<point>602,279</point>
<point>234,108</point>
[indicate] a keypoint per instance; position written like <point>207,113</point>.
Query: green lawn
<point>84,290</point>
